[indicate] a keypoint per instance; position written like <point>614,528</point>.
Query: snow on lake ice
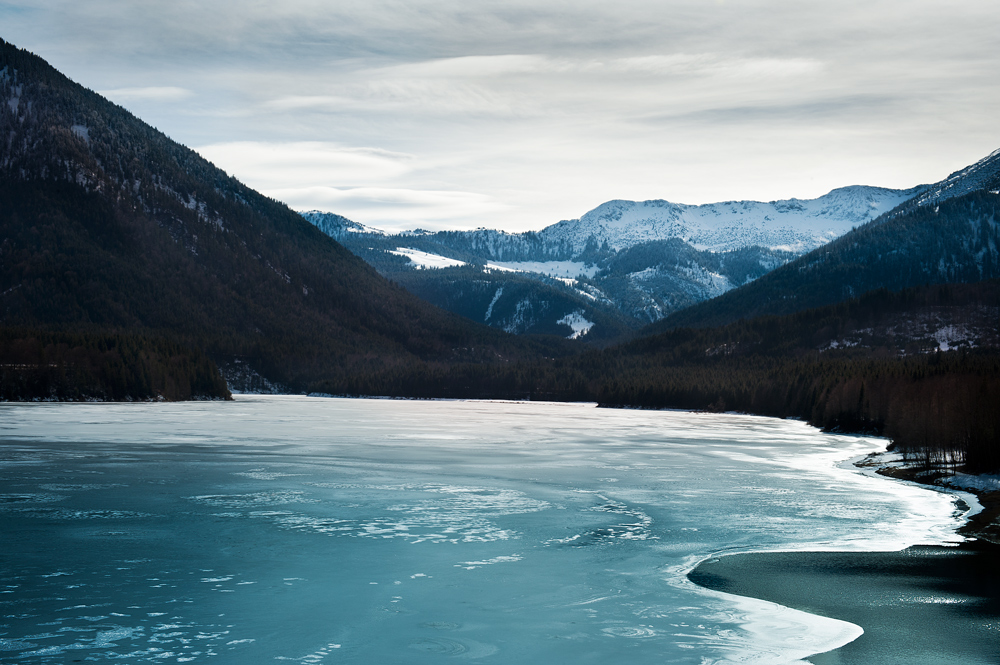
<point>376,531</point>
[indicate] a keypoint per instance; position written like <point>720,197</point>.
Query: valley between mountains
<point>627,264</point>
<point>133,269</point>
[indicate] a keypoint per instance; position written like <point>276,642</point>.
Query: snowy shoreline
<point>835,633</point>
<point>981,492</point>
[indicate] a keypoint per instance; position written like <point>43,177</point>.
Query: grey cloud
<point>847,108</point>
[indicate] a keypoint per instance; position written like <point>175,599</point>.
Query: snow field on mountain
<point>796,225</point>
<point>556,269</point>
<point>577,322</point>
<point>424,260</point>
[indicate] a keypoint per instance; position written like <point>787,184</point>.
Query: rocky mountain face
<point>618,267</point>
<point>108,225</point>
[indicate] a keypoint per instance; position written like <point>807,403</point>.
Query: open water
<point>317,530</point>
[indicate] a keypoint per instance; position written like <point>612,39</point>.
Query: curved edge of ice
<point>771,634</point>
<point>970,499</point>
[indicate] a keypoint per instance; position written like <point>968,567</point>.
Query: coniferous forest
<point>103,367</point>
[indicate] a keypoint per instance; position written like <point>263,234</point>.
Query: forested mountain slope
<point>108,225</point>
<point>920,366</point>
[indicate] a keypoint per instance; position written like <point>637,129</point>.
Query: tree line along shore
<point>938,407</point>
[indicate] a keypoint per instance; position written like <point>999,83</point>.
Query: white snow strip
<point>489,310</point>
<point>497,266</point>
<point>424,260</point>
<point>557,269</point>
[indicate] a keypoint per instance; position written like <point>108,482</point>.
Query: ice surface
<point>375,531</point>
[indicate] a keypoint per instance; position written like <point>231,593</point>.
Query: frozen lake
<point>317,530</point>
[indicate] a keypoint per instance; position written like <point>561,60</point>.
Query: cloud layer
<point>448,114</point>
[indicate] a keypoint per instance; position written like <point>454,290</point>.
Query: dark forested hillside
<point>106,224</point>
<point>955,240</point>
<point>921,366</point>
<point>515,302</point>
<point>104,367</point>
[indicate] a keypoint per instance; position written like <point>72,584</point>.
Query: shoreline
<point>922,604</point>
<point>983,525</point>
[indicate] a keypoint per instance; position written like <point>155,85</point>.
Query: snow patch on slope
<point>522,318</point>
<point>422,260</point>
<point>555,269</point>
<point>82,131</point>
<point>577,323</point>
<point>496,297</point>
<point>953,336</point>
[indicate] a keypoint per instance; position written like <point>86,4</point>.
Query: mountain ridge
<point>729,225</point>
<point>651,260</point>
<point>635,262</point>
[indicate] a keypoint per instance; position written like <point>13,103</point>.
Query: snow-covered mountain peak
<point>797,225</point>
<point>614,211</point>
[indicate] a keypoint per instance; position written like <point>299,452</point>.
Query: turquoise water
<point>316,530</point>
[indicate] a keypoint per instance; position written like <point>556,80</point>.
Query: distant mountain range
<point>793,225</point>
<point>620,266</point>
<point>626,263</point>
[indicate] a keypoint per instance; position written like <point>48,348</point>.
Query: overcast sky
<point>515,114</point>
